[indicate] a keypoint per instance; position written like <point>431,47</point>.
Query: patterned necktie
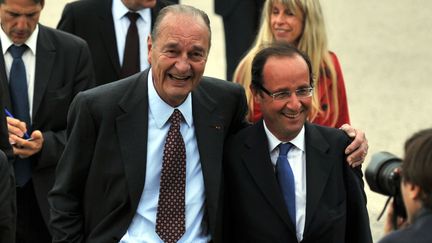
<point>20,106</point>
<point>286,180</point>
<point>131,57</point>
<point>170,218</point>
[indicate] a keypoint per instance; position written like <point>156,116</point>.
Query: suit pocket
<point>337,212</point>
<point>60,93</point>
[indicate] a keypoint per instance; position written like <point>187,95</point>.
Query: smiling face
<point>178,56</point>
<point>19,18</point>
<point>286,25</point>
<point>284,118</point>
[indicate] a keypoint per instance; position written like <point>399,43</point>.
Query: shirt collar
<point>31,41</point>
<point>161,110</point>
<point>119,10</point>
<point>273,141</point>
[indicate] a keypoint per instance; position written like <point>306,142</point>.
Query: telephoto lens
<point>383,175</point>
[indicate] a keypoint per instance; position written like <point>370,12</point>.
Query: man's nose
<point>182,63</point>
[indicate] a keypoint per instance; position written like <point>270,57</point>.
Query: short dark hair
<point>180,9</point>
<point>276,49</point>
<point>417,164</point>
<point>35,1</point>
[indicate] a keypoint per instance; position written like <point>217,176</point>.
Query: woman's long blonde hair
<point>313,42</point>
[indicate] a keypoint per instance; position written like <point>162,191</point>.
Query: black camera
<point>383,175</point>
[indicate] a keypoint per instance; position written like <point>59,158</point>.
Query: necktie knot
<point>284,148</point>
<point>17,51</point>
<point>132,16</point>
<point>176,117</point>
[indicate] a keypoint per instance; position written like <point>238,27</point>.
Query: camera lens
<point>382,173</point>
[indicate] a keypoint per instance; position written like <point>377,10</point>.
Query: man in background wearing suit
<point>41,70</point>
<point>104,25</point>
<point>241,19</point>
<point>306,194</point>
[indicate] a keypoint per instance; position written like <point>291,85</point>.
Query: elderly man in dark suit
<point>41,70</point>
<point>307,193</point>
<point>104,25</point>
<point>110,175</point>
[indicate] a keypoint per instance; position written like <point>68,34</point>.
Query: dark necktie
<point>285,177</point>
<point>170,218</point>
<point>20,106</point>
<point>131,57</point>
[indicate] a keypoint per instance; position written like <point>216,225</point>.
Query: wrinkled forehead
<point>185,25</point>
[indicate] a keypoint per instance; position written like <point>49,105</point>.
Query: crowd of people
<point>109,131</point>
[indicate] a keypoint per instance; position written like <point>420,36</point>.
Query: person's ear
<point>413,191</point>
<point>255,94</point>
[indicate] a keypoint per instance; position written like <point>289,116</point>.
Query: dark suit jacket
<point>92,20</point>
<point>101,175</point>
<point>63,68</point>
<point>7,200</point>
<point>419,231</point>
<point>256,205</point>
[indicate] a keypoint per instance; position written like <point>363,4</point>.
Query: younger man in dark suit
<point>41,70</point>
<point>287,179</point>
<point>104,25</point>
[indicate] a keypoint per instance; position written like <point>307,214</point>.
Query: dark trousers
<point>31,228</point>
<point>241,27</point>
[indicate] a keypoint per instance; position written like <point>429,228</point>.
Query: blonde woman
<point>301,24</point>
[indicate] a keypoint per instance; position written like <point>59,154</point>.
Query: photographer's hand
<point>389,224</point>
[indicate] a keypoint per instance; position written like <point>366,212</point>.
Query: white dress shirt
<point>143,226</point>
<point>121,26</point>
<point>28,57</point>
<point>297,160</point>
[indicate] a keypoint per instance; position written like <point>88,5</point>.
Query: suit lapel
<point>256,159</point>
<point>209,132</point>
<point>45,59</point>
<point>318,167</point>
<point>4,82</point>
<point>132,127</point>
<point>106,28</point>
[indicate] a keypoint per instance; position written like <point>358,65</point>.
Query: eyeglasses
<point>284,95</point>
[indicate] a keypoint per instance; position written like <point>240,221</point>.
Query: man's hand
<point>388,224</point>
<point>27,147</point>
<point>358,148</point>
<point>16,127</point>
